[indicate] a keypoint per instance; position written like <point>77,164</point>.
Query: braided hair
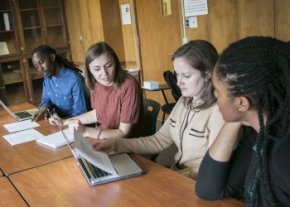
<point>48,50</point>
<point>259,68</point>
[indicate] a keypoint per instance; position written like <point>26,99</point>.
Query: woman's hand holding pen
<point>55,120</point>
<point>41,111</point>
<point>76,124</point>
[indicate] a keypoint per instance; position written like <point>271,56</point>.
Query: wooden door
<point>159,37</point>
<point>74,28</point>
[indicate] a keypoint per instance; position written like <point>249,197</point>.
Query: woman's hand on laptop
<point>105,145</point>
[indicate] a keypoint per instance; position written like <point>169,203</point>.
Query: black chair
<point>151,110</point>
<point>171,80</point>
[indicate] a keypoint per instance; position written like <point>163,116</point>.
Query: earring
<point>240,109</point>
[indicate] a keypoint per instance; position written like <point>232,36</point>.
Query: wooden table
<point>46,177</point>
<point>62,184</point>
<point>8,194</point>
<point>30,154</point>
<point>16,107</point>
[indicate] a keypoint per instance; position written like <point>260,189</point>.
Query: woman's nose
<point>179,81</point>
<point>104,71</point>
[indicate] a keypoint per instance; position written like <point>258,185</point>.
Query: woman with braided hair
<point>250,156</point>
<point>64,89</point>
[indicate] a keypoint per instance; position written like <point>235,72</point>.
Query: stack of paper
<point>23,130</point>
<point>19,126</point>
<point>150,85</point>
<point>23,136</point>
<point>57,140</point>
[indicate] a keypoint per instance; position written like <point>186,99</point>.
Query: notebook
<point>20,115</point>
<point>56,140</point>
<point>99,167</point>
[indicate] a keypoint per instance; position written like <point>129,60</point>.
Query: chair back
<point>151,110</point>
<point>171,80</point>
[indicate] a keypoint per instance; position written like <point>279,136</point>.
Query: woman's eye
<point>40,62</point>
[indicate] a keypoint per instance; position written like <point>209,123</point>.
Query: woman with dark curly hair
<point>250,157</point>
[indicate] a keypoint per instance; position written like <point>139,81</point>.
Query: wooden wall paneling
<point>256,17</point>
<point>282,19</point>
<point>112,26</point>
<point>74,30</point>
<point>201,32</point>
<point>222,23</point>
<point>85,22</point>
<point>129,38</point>
<point>96,23</point>
<point>160,36</point>
<point>90,18</point>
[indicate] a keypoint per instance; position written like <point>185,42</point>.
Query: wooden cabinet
<point>13,86</point>
<point>92,21</point>
<point>25,24</point>
<point>42,22</point>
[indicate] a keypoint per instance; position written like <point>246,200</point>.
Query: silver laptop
<point>20,115</point>
<point>99,167</point>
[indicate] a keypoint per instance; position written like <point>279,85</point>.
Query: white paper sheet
<point>19,126</point>
<point>195,7</point>
<point>57,140</point>
<point>97,158</point>
<point>126,14</point>
<point>23,136</point>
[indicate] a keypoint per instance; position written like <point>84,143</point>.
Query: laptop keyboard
<point>91,170</point>
<point>23,114</point>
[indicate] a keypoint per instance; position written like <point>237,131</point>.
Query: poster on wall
<point>126,14</point>
<point>195,8</point>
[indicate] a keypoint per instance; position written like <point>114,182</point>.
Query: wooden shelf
<point>7,31</point>
<point>37,22</point>
<point>55,25</point>
<point>4,10</point>
<point>51,7</point>
<point>29,9</point>
<point>12,77</point>
<point>36,75</point>
<point>30,28</point>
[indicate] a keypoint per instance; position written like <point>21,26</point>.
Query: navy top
<point>65,92</point>
<point>217,180</point>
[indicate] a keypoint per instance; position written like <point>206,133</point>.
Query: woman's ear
<point>242,103</point>
<point>207,76</point>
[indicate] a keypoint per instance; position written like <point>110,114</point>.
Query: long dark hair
<point>62,61</point>
<point>259,68</point>
<point>95,51</point>
<point>202,56</point>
